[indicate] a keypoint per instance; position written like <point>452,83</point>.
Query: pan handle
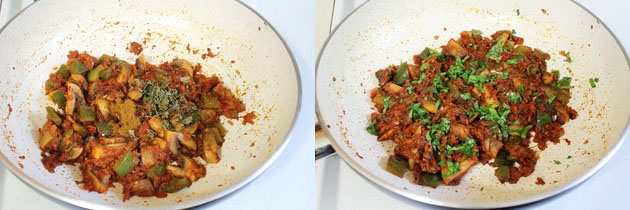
<point>323,152</point>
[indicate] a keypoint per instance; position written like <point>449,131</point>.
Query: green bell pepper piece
<point>402,74</point>
<point>217,135</point>
<point>53,116</point>
<point>209,102</point>
<point>156,170</point>
<point>76,67</point>
<point>58,97</point>
<point>105,74</point>
<point>125,164</point>
<point>63,71</point>
<point>397,166</point>
<point>86,114</point>
<point>175,184</point>
<point>428,179</point>
<point>503,173</point>
<point>104,128</point>
<point>94,75</point>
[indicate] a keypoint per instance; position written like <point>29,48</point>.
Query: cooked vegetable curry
<point>479,100</point>
<point>141,125</point>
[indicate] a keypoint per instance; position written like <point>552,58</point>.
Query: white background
<point>288,183</point>
<point>337,186</point>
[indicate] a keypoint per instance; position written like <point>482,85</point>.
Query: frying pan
<point>263,75</point>
<point>380,33</point>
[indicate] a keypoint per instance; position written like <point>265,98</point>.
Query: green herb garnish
<point>371,129</point>
<point>514,97</point>
<point>564,83</point>
<point>451,168</point>
<point>162,100</point>
<point>424,66</point>
<point>476,32</point>
<point>467,96</point>
<point>567,57</point>
<point>550,98</point>
<point>593,82</point>
<point>386,104</point>
<point>419,80</point>
<point>417,112</point>
<point>465,148</point>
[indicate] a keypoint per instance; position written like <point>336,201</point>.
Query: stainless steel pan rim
<point>373,178</point>
<point>18,173</point>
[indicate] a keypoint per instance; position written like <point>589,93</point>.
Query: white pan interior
<point>381,33</point>
<point>263,75</point>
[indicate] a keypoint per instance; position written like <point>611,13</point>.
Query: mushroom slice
<point>72,153</point>
<point>47,134</point>
<point>78,80</point>
<point>183,138</point>
<point>99,186</point>
<point>74,96</point>
<point>103,107</point>
<point>142,188</point>
<point>171,140</point>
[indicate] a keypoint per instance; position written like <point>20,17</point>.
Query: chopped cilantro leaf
<point>386,104</point>
<point>417,112</point>
<point>518,12</point>
<point>564,83</point>
<point>424,66</point>
<point>419,80</point>
<point>441,163</point>
<point>550,98</point>
<point>504,75</point>
<point>567,57</point>
<point>439,55</point>
<point>476,32</point>
<point>495,52</point>
<point>473,63</point>
<point>556,72</point>
<point>521,88</point>
<point>513,31</point>
<point>371,129</point>
<point>522,131</point>
<point>514,97</point>
<point>457,69</point>
<point>410,89</point>
<point>465,148</point>
<point>467,96</point>
<point>478,81</point>
<point>438,103</point>
<point>437,129</point>
<point>569,157</point>
<point>439,86</point>
<point>498,116</point>
<point>557,162</point>
<point>593,82</point>
<point>451,168</point>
